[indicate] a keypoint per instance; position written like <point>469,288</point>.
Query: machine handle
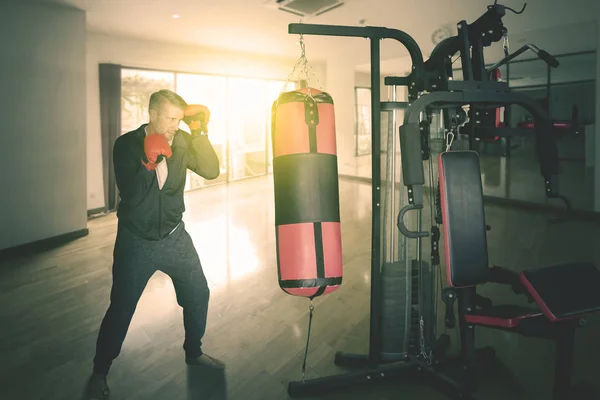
<point>403,229</point>
<point>542,54</point>
<point>551,61</point>
<point>396,81</point>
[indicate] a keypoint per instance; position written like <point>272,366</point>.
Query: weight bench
<point>560,295</point>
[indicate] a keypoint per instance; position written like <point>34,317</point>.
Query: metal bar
<point>394,105</point>
<point>467,296</point>
<point>479,72</point>
<point>548,84</point>
<point>579,53</point>
<point>507,109</point>
<point>370,32</point>
<point>507,59</point>
<point>542,55</point>
<point>376,298</point>
<point>543,85</point>
<point>476,85</point>
<point>333,30</point>
<point>465,54</point>
<point>556,56</point>
<point>547,146</point>
<point>396,81</point>
<point>393,177</point>
<point>473,97</point>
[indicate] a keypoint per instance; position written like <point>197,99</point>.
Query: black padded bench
<point>559,295</point>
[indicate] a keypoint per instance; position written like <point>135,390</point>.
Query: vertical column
<point>597,118</point>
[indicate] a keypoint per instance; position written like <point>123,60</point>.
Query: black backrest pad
<point>566,290</point>
<point>463,218</point>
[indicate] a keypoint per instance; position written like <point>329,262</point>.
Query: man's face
<point>166,119</point>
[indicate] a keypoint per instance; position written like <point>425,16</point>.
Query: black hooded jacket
<point>148,211</point>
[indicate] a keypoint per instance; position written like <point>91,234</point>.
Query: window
<point>210,90</point>
<point>240,123</point>
<point>136,88</point>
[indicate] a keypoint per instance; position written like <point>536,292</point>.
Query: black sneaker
<point>97,387</point>
<point>206,361</point>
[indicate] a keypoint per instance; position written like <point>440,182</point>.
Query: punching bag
<point>307,210</point>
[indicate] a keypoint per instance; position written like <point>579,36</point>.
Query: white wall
<point>42,75</point>
<point>362,79</point>
<point>340,85</point>
<point>137,53</point>
<point>343,78</point>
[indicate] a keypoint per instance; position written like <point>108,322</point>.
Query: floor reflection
<point>236,243</point>
<point>204,384</point>
<point>230,240</point>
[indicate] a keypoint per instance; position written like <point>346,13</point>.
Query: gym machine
<point>403,342</point>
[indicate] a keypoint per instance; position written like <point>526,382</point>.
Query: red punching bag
<point>307,210</point>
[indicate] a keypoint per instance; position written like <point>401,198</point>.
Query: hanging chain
<point>303,62</point>
<point>311,308</point>
<point>505,44</point>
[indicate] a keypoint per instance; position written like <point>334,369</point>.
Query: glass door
<point>210,91</point>
<point>274,89</point>
<point>246,127</point>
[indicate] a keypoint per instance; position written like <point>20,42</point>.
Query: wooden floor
<point>52,305</point>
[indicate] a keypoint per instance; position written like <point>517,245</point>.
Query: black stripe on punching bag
<point>319,292</point>
<point>306,188</point>
<point>319,255</point>
<point>319,249</point>
<point>311,283</point>
<point>277,254</point>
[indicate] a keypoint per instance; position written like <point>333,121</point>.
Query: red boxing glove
<point>156,147</point>
<point>197,117</point>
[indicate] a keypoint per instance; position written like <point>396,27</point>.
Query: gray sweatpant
<point>135,261</point>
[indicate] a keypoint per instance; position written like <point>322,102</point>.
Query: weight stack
<point>395,314</point>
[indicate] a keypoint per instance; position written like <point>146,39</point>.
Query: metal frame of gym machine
<point>429,86</point>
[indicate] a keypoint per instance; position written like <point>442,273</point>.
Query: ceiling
<point>257,26</point>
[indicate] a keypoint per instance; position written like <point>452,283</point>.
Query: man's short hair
<point>157,98</point>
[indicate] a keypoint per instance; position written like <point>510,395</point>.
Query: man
<point>150,168</point>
